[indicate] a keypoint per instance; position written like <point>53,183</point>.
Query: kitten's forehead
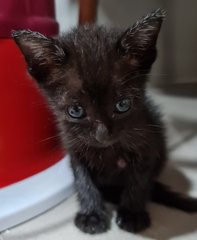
<point>91,49</point>
<point>95,93</point>
<point>74,82</point>
<point>92,40</point>
<point>85,85</point>
<point>94,66</point>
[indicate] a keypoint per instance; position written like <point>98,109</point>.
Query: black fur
<point>115,156</point>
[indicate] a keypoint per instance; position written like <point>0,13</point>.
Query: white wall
<point>66,13</point>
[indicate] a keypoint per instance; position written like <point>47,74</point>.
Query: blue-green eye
<point>76,111</point>
<point>123,106</point>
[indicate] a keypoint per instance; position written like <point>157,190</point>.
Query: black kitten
<point>95,82</point>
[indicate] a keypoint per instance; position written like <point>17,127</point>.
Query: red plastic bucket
<point>28,137</point>
<point>29,141</point>
<point>34,171</point>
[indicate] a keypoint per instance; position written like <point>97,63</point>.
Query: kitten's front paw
<point>92,223</point>
<point>133,221</point>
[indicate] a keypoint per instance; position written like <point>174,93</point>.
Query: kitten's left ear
<point>40,52</point>
<point>140,40</point>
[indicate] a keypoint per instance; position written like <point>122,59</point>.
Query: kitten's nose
<point>101,133</point>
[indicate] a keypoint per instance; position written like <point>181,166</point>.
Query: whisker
<point>49,138</point>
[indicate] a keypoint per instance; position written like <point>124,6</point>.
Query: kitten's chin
<point>103,144</point>
<point>99,144</point>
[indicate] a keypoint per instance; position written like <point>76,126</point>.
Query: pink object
<point>37,15</point>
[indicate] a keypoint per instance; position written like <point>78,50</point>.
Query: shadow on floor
<point>168,223</point>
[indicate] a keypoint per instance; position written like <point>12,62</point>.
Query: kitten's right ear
<point>139,41</point>
<point>41,53</point>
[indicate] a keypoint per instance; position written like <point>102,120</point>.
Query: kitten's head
<point>94,78</point>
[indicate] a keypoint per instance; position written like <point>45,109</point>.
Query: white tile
<point>1,237</point>
<point>186,152</point>
<point>58,224</point>
<point>44,225</point>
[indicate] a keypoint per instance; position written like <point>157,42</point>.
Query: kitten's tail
<point>163,195</point>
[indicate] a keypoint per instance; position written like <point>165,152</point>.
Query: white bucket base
<point>32,196</point>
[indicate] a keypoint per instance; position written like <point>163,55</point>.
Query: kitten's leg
<point>132,215</point>
<point>132,218</point>
<point>92,217</point>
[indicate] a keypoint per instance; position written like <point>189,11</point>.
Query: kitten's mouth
<point>104,144</point>
<point>100,144</point>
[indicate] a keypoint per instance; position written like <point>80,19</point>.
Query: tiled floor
<point>181,118</point>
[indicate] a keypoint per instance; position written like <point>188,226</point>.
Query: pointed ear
<point>40,52</point>
<point>139,42</point>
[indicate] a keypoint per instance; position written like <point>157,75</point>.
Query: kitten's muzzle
<point>102,133</point>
